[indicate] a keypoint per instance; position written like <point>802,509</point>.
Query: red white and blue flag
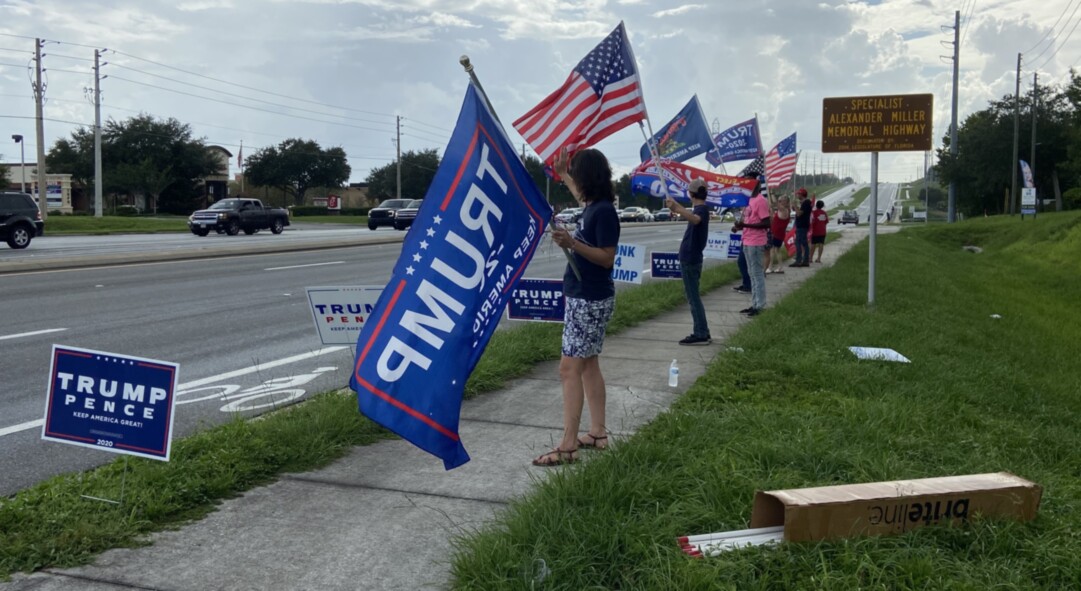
<point>602,95</point>
<point>781,162</point>
<point>472,239</point>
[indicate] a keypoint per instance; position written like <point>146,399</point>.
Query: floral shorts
<point>583,326</point>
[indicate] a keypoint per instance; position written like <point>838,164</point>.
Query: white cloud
<point>678,10</point>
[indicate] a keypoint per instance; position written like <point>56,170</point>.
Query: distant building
<point>58,192</point>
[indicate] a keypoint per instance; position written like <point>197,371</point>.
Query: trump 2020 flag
<point>739,142</point>
<point>684,137</point>
<point>478,228</point>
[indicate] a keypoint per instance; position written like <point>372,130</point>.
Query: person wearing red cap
<point>803,227</point>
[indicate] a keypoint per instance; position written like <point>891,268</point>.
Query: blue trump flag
<point>739,142</point>
<point>684,137</point>
<point>480,224</point>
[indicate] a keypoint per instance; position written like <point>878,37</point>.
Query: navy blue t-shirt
<point>599,227</point>
<point>694,237</point>
<point>803,218</point>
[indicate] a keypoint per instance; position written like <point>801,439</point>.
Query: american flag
<point>756,168</point>
<point>781,161</point>
<point>601,96</point>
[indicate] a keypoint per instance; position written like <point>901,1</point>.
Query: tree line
<point>983,166</point>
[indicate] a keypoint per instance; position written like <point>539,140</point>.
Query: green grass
<point>796,409</point>
<point>50,525</point>
<point>57,225</point>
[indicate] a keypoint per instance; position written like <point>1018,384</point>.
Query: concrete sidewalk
<point>383,516</point>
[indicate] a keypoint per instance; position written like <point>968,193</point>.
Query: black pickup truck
<point>230,216</point>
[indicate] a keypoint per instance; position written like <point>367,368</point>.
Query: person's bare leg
<point>596,396</point>
<point>571,374</point>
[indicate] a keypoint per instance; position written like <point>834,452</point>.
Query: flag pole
<point>649,140</point>
<point>712,140</point>
<point>468,67</point>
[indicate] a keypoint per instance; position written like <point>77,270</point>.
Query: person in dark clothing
<point>690,257</point>
<point>803,228</point>
<point>590,300</point>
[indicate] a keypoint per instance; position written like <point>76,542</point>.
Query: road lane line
<point>302,266</point>
<point>30,334</point>
<point>22,427</point>
<point>202,382</point>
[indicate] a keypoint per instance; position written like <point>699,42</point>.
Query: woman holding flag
<point>590,300</point>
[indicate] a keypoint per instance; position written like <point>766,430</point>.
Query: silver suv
<point>20,220</point>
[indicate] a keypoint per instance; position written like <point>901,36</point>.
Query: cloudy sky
<point>340,71</point>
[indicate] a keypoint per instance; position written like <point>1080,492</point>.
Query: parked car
<point>571,215</point>
<point>20,219</point>
<point>849,216</point>
<point>403,218</point>
<point>663,215</point>
<point>230,216</point>
<point>635,214</point>
<point>383,214</point>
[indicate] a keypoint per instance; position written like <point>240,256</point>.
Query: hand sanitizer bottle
<point>673,374</point>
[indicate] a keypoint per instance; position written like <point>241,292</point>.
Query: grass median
<point>64,225</point>
<point>796,409</point>
<point>51,525</point>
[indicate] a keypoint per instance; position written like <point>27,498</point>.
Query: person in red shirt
<point>819,219</point>
<point>778,225</point>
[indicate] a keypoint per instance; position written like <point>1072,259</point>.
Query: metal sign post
<point>874,230</point>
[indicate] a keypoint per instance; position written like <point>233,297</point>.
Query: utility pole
<point>926,188</point>
<point>98,180</point>
<point>39,98</point>
<point>1032,159</point>
<point>398,145</point>
<point>951,214</point>
<point>1016,136</point>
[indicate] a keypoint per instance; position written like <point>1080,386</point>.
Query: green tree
<point>297,165</point>
<point>418,171</point>
<point>5,176</point>
<point>982,168</point>
<point>141,155</point>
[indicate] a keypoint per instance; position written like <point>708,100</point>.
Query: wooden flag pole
<point>468,67</point>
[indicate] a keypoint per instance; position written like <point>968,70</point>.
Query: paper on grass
<point>879,354</point>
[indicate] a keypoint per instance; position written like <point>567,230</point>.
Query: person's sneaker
<point>741,289</point>
<point>796,265</point>
<point>693,340</point>
<point>754,312</point>
<point>747,310</point>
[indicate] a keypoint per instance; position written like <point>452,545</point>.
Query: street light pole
<point>22,161</point>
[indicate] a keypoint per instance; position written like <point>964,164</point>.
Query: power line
<point>1056,36</point>
<point>1059,46</point>
<point>968,21</point>
<point>1064,11</point>
<point>240,96</point>
<point>249,87</point>
<point>114,77</point>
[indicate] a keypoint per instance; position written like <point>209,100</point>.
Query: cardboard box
<point>882,508</point>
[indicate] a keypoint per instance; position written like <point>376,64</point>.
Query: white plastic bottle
<point>673,374</point>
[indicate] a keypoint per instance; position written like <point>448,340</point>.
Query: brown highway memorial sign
<point>892,123</point>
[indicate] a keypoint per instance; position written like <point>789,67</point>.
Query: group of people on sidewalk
<point>589,290</point>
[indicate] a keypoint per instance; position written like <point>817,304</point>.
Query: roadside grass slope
<point>797,409</point>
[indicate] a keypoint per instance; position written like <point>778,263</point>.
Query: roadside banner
<point>790,242</point>
<point>665,265</point>
<point>629,264</point>
<point>116,403</point>
<point>482,220</point>
<point>340,312</point>
<point>722,190</point>
<point>537,300</point>
<point>723,245</point>
<point>1026,175</point>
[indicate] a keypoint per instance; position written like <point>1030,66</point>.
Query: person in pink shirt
<point>754,224</point>
<point>819,219</point>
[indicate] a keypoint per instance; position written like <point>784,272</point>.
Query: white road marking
<point>30,334</point>
<point>302,266</point>
<point>202,382</point>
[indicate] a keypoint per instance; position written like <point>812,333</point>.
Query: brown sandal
<point>592,441</point>
<point>556,457</point>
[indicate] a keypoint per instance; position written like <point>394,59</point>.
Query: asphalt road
<point>239,326</point>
